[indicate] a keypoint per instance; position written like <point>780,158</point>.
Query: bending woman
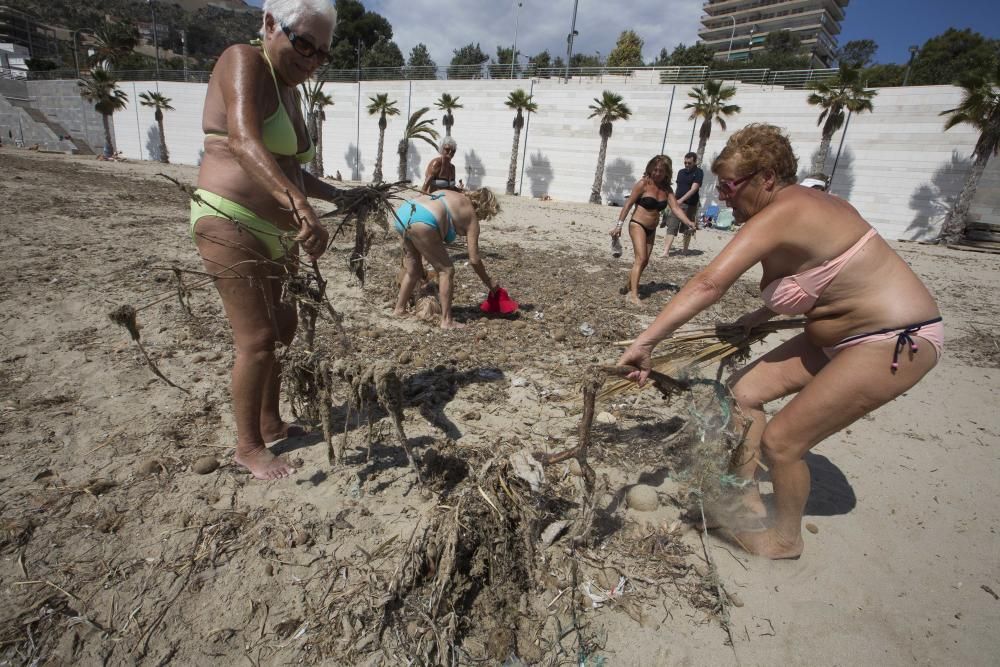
<point>873,328</point>
<point>650,196</point>
<point>440,173</point>
<point>426,224</point>
<point>251,176</point>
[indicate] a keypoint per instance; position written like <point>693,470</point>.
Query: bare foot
<point>768,543</point>
<point>396,312</point>
<point>263,464</point>
<point>282,431</point>
<point>633,299</point>
<point>451,324</point>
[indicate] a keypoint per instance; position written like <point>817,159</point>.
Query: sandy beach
<point>114,550</point>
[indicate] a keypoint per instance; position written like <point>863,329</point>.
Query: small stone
<point>405,357</point>
<point>559,335</point>
<point>574,468</point>
<point>472,416</point>
<point>301,538</point>
<point>150,467</point>
<point>642,498</point>
<point>812,528</point>
<point>269,570</point>
<point>205,465</point>
<point>461,357</point>
<point>735,599</point>
<point>701,570</point>
<point>606,418</point>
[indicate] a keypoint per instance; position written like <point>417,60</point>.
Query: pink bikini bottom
<point>932,331</point>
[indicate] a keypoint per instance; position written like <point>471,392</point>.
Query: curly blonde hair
<point>667,164</point>
<point>760,146</point>
<point>484,203</point>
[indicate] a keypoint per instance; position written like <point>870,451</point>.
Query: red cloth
<point>499,302</point>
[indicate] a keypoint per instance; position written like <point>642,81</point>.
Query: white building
<point>13,59</point>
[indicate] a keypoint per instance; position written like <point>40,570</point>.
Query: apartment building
<point>23,29</point>
<point>733,28</point>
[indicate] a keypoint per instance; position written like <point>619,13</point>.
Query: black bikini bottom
<point>650,233</point>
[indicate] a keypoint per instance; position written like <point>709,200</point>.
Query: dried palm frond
<point>690,350</point>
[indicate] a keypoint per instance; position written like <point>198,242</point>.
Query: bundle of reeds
<point>692,349</point>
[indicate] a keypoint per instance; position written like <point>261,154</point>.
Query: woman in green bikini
<point>256,144</point>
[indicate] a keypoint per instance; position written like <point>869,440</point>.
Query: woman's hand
<point>312,234</point>
<point>616,231</point>
<point>754,318</point>
<point>638,356</point>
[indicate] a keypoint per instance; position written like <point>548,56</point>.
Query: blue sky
<point>544,24</point>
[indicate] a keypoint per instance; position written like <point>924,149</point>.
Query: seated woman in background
<point>426,224</point>
<point>873,329</point>
<point>440,173</point>
<point>650,196</point>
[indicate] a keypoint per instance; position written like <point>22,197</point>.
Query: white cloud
<point>447,25</point>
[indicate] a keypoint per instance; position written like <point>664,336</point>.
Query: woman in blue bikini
<point>426,224</point>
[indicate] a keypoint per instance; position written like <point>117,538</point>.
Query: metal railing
<point>617,75</point>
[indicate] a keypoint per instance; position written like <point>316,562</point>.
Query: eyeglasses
<point>305,48</point>
<point>727,188</point>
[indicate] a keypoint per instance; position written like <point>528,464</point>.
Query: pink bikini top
<point>795,295</point>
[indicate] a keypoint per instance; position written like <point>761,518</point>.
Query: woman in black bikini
<point>440,173</point>
<point>650,196</point>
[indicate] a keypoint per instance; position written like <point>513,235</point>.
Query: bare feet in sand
<point>451,324</point>
<point>263,464</point>
<point>281,431</point>
<point>633,299</point>
<point>767,543</point>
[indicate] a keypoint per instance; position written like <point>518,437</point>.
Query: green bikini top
<point>278,132</point>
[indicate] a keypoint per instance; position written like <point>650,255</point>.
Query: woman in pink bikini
<point>874,330</point>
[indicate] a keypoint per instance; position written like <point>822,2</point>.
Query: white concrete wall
<point>898,167</point>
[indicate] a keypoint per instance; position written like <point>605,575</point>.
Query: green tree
<point>416,128</point>
<point>520,102</point>
<point>711,102</point>
<point>447,104</point>
<point>541,61</point>
<point>385,56</point>
<point>844,92</point>
<point>501,67</point>
<point>101,88</point>
<point>782,42</point>
<point>697,55</point>
<point>952,55</point>
<point>584,64</point>
<point>420,65</point>
<point>889,74</point>
<point>40,65</point>
<point>857,52</point>
<point>112,43</point>
<point>610,107</point>
<point>316,101</point>
<point>980,108</point>
<point>627,51</point>
<point>470,54</point>
<point>356,26</point>
<point>160,103</point>
<point>383,106</point>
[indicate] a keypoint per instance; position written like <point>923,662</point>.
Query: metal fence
<point>617,75</point>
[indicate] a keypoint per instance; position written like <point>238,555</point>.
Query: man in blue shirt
<point>689,180</point>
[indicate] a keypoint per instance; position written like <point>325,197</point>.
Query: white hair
<point>291,12</point>
<point>449,141</point>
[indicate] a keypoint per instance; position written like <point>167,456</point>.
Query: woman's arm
<point>676,209</point>
<point>432,170</point>
<point>475,261</point>
<point>628,206</point>
<point>320,189</point>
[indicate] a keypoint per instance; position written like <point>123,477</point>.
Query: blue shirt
<point>685,179</point>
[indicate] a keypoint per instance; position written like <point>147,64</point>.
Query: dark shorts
<point>674,224</point>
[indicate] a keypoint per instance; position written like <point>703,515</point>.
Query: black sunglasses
<point>304,47</point>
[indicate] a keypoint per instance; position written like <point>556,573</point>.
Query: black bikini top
<point>651,204</point>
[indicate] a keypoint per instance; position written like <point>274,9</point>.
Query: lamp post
<point>513,54</point>
<point>914,50</point>
<point>76,57</point>
<point>569,39</point>
<point>729,53</point>
<point>753,29</point>
<point>156,41</point>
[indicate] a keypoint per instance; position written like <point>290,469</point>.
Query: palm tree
<point>112,43</point>
<point>980,107</point>
<point>844,91</point>
<point>160,103</point>
<point>520,102</point>
<point>383,106</point>
<point>610,107</point>
<point>447,103</point>
<point>415,129</point>
<point>710,104</point>
<point>102,89</point>
<point>316,100</point>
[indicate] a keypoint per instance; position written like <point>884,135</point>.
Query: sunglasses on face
<point>304,47</point>
<point>727,187</point>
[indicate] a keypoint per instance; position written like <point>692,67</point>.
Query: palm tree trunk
<point>313,123</point>
<point>318,143</point>
<point>595,189</point>
<point>377,176</point>
<point>703,135</point>
<point>164,156</point>
<point>402,150</point>
<point>819,162</point>
<point>109,143</point>
<point>958,216</point>
<point>512,171</point>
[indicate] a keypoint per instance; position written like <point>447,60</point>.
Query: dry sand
<point>113,549</point>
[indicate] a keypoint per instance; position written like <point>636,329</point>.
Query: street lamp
<point>156,41</point>
<point>513,55</point>
<point>753,29</point>
<point>569,39</point>
<point>914,50</point>
<point>76,57</point>
<point>731,35</point>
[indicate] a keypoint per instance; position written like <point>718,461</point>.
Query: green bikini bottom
<point>277,241</point>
